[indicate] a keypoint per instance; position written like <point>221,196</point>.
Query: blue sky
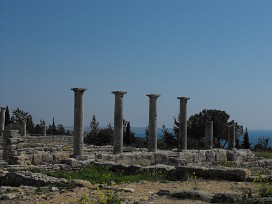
<point>218,53</point>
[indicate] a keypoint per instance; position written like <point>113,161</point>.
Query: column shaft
<point>78,122</point>
<point>231,136</point>
<point>152,127</point>
<point>43,129</point>
<point>2,120</point>
<point>118,122</point>
<point>182,137</point>
<point>209,135</point>
<point>24,128</point>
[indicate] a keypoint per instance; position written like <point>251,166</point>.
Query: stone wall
<point>177,158</point>
<point>50,139</point>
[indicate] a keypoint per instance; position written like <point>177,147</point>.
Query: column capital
<point>153,95</point>
<point>78,89</point>
<point>182,98</point>
<point>3,108</point>
<point>121,93</point>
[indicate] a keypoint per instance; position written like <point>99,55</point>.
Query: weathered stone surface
<point>152,127</point>
<point>193,195</point>
<point>173,158</point>
<point>33,179</point>
<point>37,159</point>
<point>47,157</point>
<point>78,121</point>
<point>60,156</point>
<point>226,198</point>
<point>8,196</point>
<point>232,174</point>
<point>118,122</point>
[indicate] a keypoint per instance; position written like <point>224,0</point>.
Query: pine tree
<point>128,135</point>
<point>246,144</point>
<point>7,117</point>
<point>94,131</point>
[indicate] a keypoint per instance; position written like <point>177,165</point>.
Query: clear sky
<point>218,53</point>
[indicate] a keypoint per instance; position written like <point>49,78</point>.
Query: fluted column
<point>231,136</point>
<point>152,127</point>
<point>209,135</point>
<point>78,122</point>
<point>118,122</point>
<point>182,137</point>
<point>2,119</point>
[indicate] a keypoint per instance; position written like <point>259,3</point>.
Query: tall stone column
<point>118,122</point>
<point>24,128</point>
<point>152,127</point>
<point>78,122</point>
<point>2,120</point>
<point>43,129</point>
<point>182,137</point>
<point>209,135</point>
<point>231,136</point>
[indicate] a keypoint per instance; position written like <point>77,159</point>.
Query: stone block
<point>60,156</point>
<point>199,156</point>
<point>47,157</point>
<point>37,159</point>
<point>210,155</point>
<point>160,158</point>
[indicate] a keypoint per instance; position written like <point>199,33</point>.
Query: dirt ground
<point>145,192</point>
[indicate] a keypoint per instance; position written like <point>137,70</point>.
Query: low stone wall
<point>28,178</point>
<point>177,158</point>
<point>182,172</point>
<point>50,139</point>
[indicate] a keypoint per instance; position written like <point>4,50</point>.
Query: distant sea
<point>254,135</point>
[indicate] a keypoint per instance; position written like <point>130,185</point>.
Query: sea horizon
<point>254,134</point>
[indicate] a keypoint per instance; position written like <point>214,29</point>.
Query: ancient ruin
<point>2,120</point>
<point>78,122</point>
<point>52,153</point>
<point>118,122</point>
<point>182,139</point>
<point>152,127</point>
<point>209,134</point>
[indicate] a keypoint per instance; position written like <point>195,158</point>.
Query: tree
<point>94,126</point>
<point>97,136</point>
<point>19,116</point>
<point>262,143</point>
<point>104,136</point>
<point>196,126</point>
<point>16,121</point>
<point>169,139</point>
<point>60,130</point>
<point>129,136</point>
<point>246,143</point>
<point>7,117</point>
<point>146,135</point>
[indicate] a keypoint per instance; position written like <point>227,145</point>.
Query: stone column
<point>118,122</point>
<point>182,137</point>
<point>2,120</point>
<point>209,135</point>
<point>231,136</point>
<point>43,129</point>
<point>152,127</point>
<point>11,145</point>
<point>78,122</point>
<point>24,128</point>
